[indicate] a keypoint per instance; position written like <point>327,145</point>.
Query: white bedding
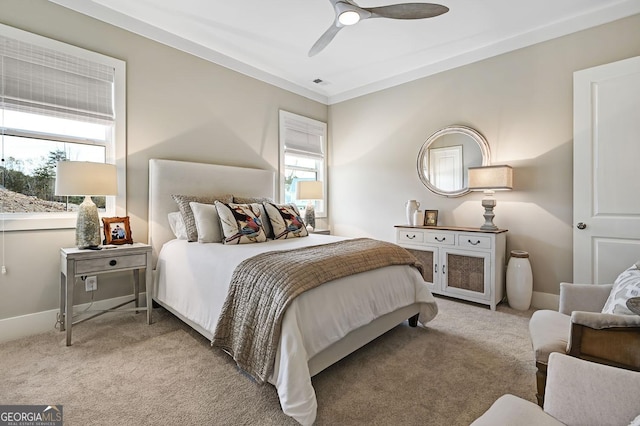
<point>193,278</point>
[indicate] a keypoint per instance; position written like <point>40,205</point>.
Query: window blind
<point>303,138</point>
<point>39,80</point>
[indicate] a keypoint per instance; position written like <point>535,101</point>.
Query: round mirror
<point>446,156</point>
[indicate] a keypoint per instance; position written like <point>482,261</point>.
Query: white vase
<point>418,218</point>
<point>519,280</point>
<point>412,206</point>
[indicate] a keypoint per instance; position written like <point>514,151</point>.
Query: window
<point>303,147</point>
<point>57,102</point>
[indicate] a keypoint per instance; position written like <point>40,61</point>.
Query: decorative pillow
<point>207,222</point>
<point>626,286</point>
<point>258,200</point>
<point>241,223</point>
<point>285,220</point>
<point>187,215</point>
<point>177,225</point>
<point>251,200</point>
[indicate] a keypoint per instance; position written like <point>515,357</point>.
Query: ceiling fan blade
<point>408,11</point>
<point>324,39</point>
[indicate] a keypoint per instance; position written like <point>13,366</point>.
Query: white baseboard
<point>545,301</point>
<point>41,322</point>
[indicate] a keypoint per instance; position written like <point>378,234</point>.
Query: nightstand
<point>76,263</point>
<point>321,231</point>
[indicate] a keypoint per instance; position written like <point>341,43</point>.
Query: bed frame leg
<point>413,321</point>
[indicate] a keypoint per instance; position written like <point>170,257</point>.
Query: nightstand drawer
<point>474,241</point>
<point>112,263</point>
<point>410,236</point>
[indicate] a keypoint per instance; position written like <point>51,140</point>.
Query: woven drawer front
<point>465,272</point>
<point>426,258</point>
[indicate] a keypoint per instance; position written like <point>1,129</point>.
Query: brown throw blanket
<point>263,286</point>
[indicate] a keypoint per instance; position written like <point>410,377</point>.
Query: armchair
<point>578,393</point>
<point>580,330</point>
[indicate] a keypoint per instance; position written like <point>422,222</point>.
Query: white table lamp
<point>84,178</point>
<point>309,190</point>
<point>490,179</point>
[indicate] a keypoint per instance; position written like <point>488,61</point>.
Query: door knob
<point>581,225</point>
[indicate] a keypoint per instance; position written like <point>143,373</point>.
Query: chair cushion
<point>509,410</point>
<point>583,393</point>
<point>550,331</point>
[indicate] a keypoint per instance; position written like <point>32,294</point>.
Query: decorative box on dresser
<point>466,263</point>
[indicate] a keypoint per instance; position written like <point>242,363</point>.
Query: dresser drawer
<point>442,238</point>
<point>410,236</point>
<point>474,241</point>
<point>112,263</point>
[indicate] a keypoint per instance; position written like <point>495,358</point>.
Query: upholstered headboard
<point>167,177</point>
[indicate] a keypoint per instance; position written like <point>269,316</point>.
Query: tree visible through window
<point>28,168</point>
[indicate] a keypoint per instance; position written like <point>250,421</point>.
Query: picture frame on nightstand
<point>117,230</point>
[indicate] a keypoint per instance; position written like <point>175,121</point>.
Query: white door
<point>445,168</point>
<point>606,171</point>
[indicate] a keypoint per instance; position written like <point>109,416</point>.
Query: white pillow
<point>176,223</point>
<point>207,222</point>
<point>626,286</point>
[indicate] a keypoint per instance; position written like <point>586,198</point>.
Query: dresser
<point>464,263</point>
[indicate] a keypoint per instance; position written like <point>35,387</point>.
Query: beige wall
<point>178,107</point>
<point>181,107</point>
<point>520,101</point>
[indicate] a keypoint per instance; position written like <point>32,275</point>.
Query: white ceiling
<point>270,39</point>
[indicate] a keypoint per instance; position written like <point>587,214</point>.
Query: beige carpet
<point>121,371</point>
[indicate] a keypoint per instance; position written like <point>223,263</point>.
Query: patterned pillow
<point>241,223</point>
<point>626,286</point>
<point>187,215</point>
<point>285,220</point>
<point>266,225</point>
<point>251,200</point>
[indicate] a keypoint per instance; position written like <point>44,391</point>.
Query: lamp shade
<point>492,178</point>
<point>309,190</point>
<point>86,178</point>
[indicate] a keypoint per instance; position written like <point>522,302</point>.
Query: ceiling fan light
<point>349,17</point>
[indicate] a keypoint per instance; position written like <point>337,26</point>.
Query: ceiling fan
<point>349,13</point>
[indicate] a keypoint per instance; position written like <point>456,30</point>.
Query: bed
<point>314,335</point>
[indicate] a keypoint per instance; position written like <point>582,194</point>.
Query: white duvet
<point>192,279</point>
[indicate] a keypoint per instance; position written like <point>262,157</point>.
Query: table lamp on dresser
<point>490,179</point>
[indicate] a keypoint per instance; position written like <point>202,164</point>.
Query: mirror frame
<point>468,131</point>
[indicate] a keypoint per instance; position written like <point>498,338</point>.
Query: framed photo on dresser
<point>431,217</point>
